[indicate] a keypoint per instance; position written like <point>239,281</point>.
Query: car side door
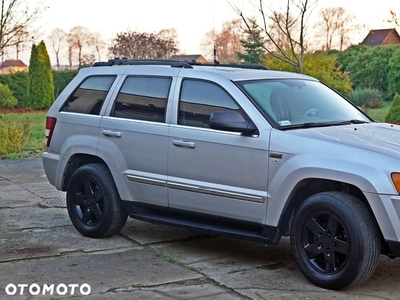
<point>134,135</point>
<point>215,172</point>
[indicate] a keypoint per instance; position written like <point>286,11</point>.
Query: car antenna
<point>216,62</point>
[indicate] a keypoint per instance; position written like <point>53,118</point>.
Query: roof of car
<point>233,72</point>
<point>248,74</point>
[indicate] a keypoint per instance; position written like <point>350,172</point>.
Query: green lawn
<point>36,141</point>
<point>379,113</point>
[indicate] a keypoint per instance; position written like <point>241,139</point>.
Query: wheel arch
<point>74,162</point>
<point>311,186</point>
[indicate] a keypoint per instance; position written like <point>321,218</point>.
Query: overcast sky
<point>191,18</point>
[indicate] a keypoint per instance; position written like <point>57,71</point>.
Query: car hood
<point>383,138</point>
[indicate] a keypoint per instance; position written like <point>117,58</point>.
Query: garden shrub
<point>13,136</point>
<point>7,100</point>
<point>393,114</point>
<point>367,98</point>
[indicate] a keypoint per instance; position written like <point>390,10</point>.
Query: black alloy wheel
<point>88,199</point>
<point>93,202</point>
<point>335,240</point>
<point>326,243</point>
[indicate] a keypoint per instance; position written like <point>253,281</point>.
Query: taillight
<point>50,124</point>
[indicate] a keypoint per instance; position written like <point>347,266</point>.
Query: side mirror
<point>230,120</point>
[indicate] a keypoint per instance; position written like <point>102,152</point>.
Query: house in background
<point>377,37</point>
<point>190,58</point>
<point>13,66</point>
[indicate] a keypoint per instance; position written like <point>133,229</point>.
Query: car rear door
<point>134,134</point>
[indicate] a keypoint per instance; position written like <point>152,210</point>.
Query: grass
<point>379,114</point>
<point>36,141</point>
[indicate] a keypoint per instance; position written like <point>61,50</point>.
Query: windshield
<point>296,103</point>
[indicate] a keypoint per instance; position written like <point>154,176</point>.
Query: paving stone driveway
<point>39,247</point>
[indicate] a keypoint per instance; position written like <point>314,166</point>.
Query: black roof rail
<point>244,66</point>
<point>124,61</point>
<point>172,63</point>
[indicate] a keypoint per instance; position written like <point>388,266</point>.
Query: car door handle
<point>183,144</point>
<point>111,133</point>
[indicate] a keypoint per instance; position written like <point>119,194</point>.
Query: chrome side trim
<point>146,180</point>
<point>213,192</point>
<point>195,189</point>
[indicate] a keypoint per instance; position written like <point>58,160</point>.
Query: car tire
<point>93,202</point>
<point>335,240</point>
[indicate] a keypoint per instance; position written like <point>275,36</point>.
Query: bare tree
<point>227,42</point>
<point>347,29</point>
<point>169,37</point>
<point>290,22</point>
<point>16,19</point>
<point>88,59</point>
<point>336,24</point>
<point>70,52</point>
<point>78,38</point>
<point>98,44</point>
<point>141,45</point>
<point>57,38</point>
<point>20,41</point>
<point>393,18</point>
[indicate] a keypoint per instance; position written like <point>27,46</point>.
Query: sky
<point>191,18</point>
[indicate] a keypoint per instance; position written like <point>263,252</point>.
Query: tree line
<point>281,37</point>
<point>283,31</point>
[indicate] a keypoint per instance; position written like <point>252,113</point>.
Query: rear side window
<point>143,98</point>
<point>90,95</point>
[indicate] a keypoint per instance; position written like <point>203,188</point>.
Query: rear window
<point>88,98</point>
<point>143,98</point>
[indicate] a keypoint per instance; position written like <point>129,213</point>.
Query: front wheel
<point>335,240</point>
<point>93,202</point>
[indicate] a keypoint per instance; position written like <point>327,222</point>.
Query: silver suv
<point>247,152</point>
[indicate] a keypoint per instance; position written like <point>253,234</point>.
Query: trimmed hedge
<point>61,79</point>
<point>17,82</point>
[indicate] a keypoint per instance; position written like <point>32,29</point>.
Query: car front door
<point>212,171</point>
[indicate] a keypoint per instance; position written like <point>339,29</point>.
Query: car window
<point>199,99</point>
<point>143,98</point>
<point>88,98</point>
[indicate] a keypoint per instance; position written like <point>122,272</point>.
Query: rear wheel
<point>93,202</point>
<point>335,240</point>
